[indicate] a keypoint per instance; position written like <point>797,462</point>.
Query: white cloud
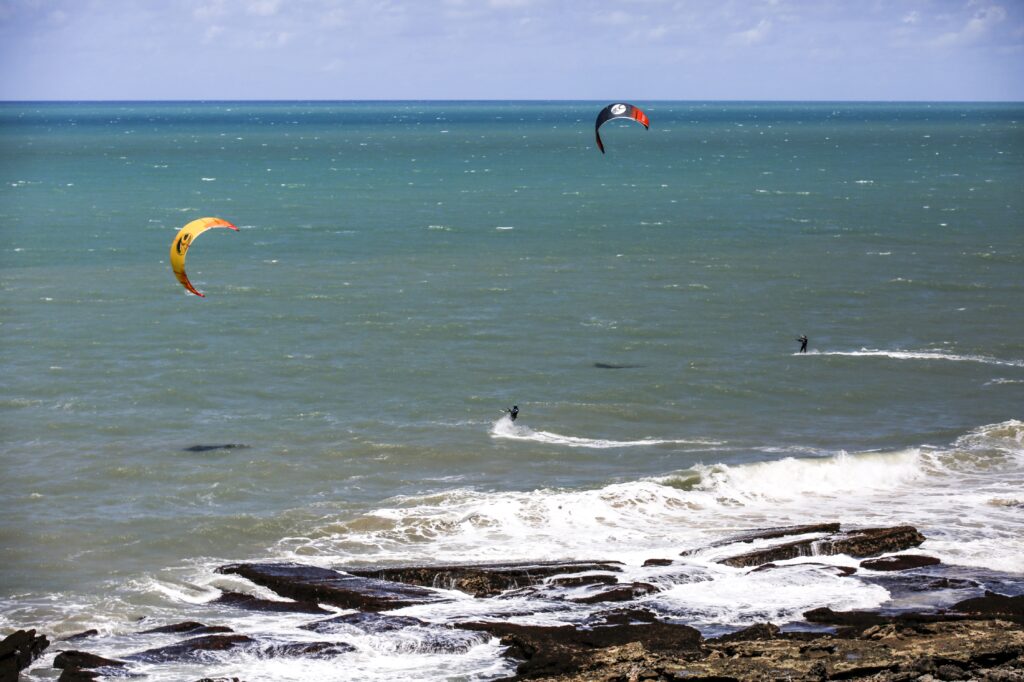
<point>212,33</point>
<point>335,17</point>
<point>614,18</point>
<point>263,8</point>
<point>213,9</point>
<point>752,36</point>
<point>986,17</point>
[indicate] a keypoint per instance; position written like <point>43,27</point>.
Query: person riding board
<point>803,343</point>
<point>513,413</point>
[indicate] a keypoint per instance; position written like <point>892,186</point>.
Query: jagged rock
<point>188,627</point>
<point>838,570</point>
<point>192,648</point>
<point>314,584</point>
<point>767,534</point>
<point>483,580</point>
<point>83,659</point>
<point>251,603</point>
<point>756,631</point>
<point>584,580</point>
<point>863,542</point>
<point>860,619</point>
<point>85,634</point>
<point>621,592</point>
<point>993,605</point>
<point>374,623</point>
<point>900,562</point>
<point>548,651</point>
<point>621,617</point>
<point>18,650</point>
<point>309,649</point>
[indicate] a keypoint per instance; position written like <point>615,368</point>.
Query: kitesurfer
<point>513,413</point>
<point>803,343</point>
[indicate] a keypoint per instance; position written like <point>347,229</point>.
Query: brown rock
<point>864,542</point>
<point>188,627</point>
<point>251,603</point>
<point>900,562</point>
<point>483,580</point>
<point>191,648</point>
<point>548,651</point>
<point>767,534</point>
<point>314,584</point>
<point>83,659</point>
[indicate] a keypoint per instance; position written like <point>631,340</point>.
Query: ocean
<point>406,271</point>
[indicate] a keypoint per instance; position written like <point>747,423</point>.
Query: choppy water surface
<point>405,271</point>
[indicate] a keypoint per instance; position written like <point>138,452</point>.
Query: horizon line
<point>530,100</point>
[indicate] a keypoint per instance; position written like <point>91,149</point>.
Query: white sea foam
<point>506,428</point>
<point>977,477</point>
<point>919,355</point>
<point>932,488</point>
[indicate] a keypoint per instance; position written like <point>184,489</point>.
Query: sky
<point>935,50</point>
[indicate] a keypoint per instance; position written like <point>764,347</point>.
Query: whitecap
<point>919,355</point>
<point>506,428</point>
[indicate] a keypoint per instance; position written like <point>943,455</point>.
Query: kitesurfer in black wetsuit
<point>513,413</point>
<point>803,342</point>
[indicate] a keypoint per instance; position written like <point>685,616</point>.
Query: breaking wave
<point>506,428</point>
<point>920,355</point>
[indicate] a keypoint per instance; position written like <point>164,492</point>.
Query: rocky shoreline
<point>977,638</point>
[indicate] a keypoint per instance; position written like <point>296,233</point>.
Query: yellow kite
<point>184,239</point>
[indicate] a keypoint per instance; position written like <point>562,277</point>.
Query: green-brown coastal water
<point>406,270</point>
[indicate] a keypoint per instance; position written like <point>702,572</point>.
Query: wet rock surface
<point>251,603</point>
<point>314,584</point>
<point>901,562</point>
<point>484,580</point>
<point>18,650</point>
<point>865,542</point>
<point>969,631</point>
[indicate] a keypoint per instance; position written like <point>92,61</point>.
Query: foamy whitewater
<point>405,271</point>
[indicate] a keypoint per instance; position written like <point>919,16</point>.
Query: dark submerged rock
<point>900,562</point>
<point>838,570</point>
<point>251,603</point>
<point>78,636</point>
<point>608,365</point>
<point>192,648</point>
<point>658,562</point>
<point>483,580</point>
<point>208,448</point>
<point>768,534</point>
<point>862,542</point>
<point>188,627</point>
<point>314,584</point>
<point>83,659</point>
<point>993,605</point>
<point>307,649</point>
<point>18,650</point>
<point>367,622</point>
<point>620,592</point>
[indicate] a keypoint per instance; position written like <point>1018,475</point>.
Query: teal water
<point>406,270</point>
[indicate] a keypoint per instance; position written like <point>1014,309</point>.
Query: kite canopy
<point>184,239</point>
<point>619,110</point>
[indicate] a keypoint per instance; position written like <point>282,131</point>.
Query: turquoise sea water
<point>404,271</point>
